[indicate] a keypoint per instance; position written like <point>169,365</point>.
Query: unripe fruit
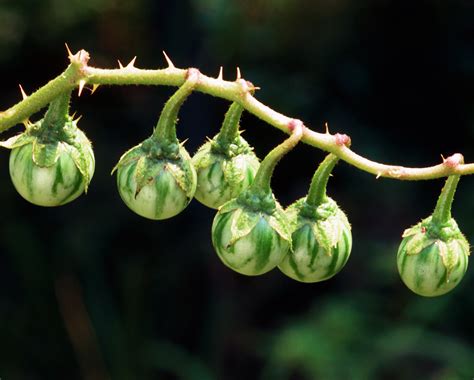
<point>432,259</point>
<point>156,188</point>
<point>321,238</point>
<point>51,171</point>
<point>223,173</point>
<point>156,178</point>
<point>250,240</point>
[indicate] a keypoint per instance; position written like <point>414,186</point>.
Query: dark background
<point>92,291</point>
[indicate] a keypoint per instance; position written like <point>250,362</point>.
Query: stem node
<point>81,58</point>
<point>240,91</point>
<point>342,140</point>
<point>295,123</point>
<point>193,75</point>
<point>454,161</point>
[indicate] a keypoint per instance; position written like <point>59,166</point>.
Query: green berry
<point>250,240</point>
<point>432,259</point>
<point>222,174</point>
<point>156,188</point>
<point>321,238</point>
<point>51,168</point>
<point>433,255</point>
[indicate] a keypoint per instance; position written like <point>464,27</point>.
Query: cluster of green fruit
<point>52,163</point>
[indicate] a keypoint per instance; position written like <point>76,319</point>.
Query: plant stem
<point>33,103</point>
<point>261,182</point>
<point>238,91</point>
<point>230,126</point>
<point>165,130</point>
<point>442,211</point>
<point>317,189</point>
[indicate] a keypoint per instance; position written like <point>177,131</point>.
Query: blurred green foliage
<point>93,291</point>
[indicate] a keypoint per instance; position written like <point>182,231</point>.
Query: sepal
<point>224,170</point>
<point>279,222</point>
<point>418,242</point>
<point>17,141</point>
<point>243,222</point>
<point>327,221</point>
<point>45,155</point>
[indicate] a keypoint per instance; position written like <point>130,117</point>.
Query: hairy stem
<point>317,189</point>
<point>239,91</point>
<point>230,126</point>
<point>442,211</point>
<point>166,127</point>
<point>33,103</point>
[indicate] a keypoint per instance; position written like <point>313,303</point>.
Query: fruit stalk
<point>166,127</point>
<point>261,182</point>
<point>58,111</point>
<point>317,189</point>
<point>230,126</point>
<point>442,211</point>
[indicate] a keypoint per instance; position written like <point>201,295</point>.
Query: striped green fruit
<point>321,238</point>
<point>223,175</point>
<point>156,188</point>
<point>432,259</point>
<point>53,171</point>
<point>248,241</point>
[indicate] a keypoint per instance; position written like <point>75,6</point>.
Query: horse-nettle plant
<point>52,163</point>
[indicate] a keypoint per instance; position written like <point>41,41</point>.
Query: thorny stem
<point>79,73</point>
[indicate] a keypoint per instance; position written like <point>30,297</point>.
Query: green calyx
<point>230,148</point>
<point>229,151</point>
<point>223,175</point>
<point>55,133</point>
<point>228,142</point>
<point>257,201</point>
<point>150,160</point>
<point>440,228</point>
<point>327,221</point>
<point>225,165</point>
<point>433,230</point>
<point>429,232</point>
<point>246,218</point>
<point>322,211</point>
